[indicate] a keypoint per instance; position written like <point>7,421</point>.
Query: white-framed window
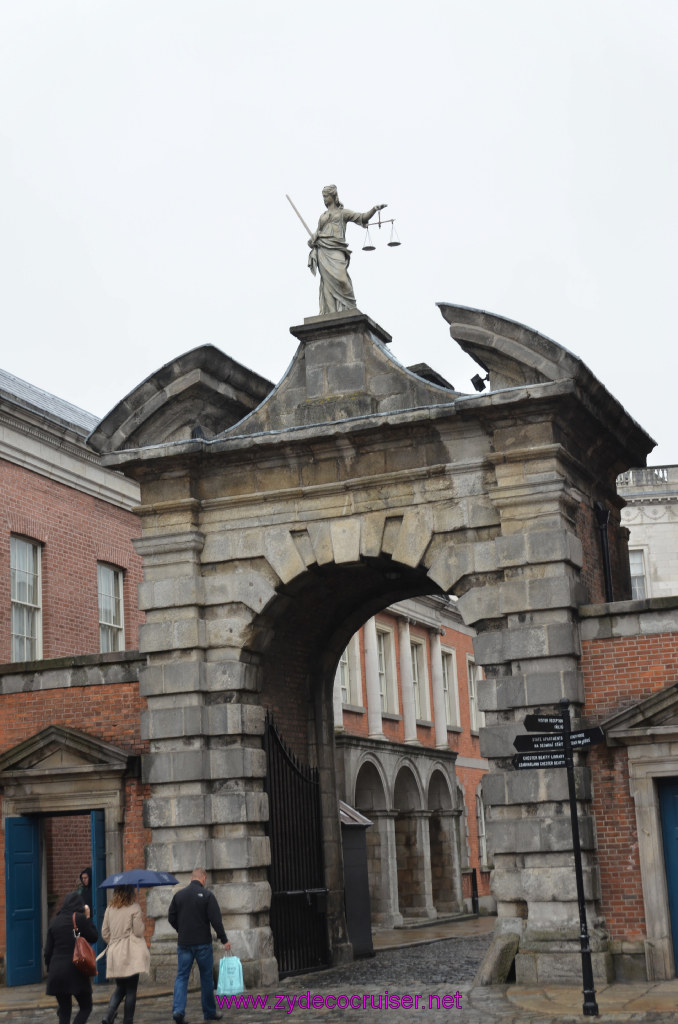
<point>111,614</point>
<point>26,599</point>
<point>387,676</point>
<point>419,679</point>
<point>477,718</point>
<point>638,575</point>
<point>450,687</point>
<point>482,835</point>
<point>348,677</point>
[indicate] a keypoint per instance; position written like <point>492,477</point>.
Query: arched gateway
<point>272,529</point>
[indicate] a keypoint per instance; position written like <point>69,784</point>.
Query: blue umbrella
<point>142,878</point>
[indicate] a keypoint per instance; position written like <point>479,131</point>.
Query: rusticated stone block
<point>241,852</point>
<point>243,898</point>
<point>230,675</point>
<point>182,856</point>
<point>345,535</point>
<point>414,537</point>
<point>250,588</point>
<point>236,807</point>
<point>543,885</point>
<point>533,786</point>
<point>236,763</point>
<point>321,539</point>
<point>560,968</point>
<point>174,766</point>
<point>282,554</point>
<point>174,812</point>
<point>511,549</point>
<point>517,644</point>
<point>538,835</point>
<point>452,564</point>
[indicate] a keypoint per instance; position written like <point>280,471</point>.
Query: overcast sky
<point>526,148</point>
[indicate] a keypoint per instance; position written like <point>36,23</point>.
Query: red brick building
<point>409,677</point>
<point>630,668</point>
<point>70,737</point>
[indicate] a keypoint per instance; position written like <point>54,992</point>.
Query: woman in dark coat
<point>85,887</point>
<point>64,980</point>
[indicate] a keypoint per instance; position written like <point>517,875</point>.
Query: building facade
<point>275,523</point>
<point>651,516</point>
<point>407,738</point>
<point>70,710</point>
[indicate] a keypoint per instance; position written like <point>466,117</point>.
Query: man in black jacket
<point>191,913</point>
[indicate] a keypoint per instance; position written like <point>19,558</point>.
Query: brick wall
<point>76,531</point>
<point>614,811</point>
<point>470,779</point>
<point>110,712</point>
<point>619,672</point>
<point>68,850</point>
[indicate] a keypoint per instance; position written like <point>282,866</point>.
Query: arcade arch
<point>446,892</point>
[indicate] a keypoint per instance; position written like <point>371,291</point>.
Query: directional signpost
<point>553,749</point>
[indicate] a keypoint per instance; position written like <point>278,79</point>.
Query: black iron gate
<point>296,874</point>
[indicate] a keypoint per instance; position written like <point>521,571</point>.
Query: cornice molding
<point>37,450</point>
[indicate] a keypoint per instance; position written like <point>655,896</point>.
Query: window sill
<point>454,728</point>
<point>355,709</point>
<point>388,716</point>
<point>424,723</point>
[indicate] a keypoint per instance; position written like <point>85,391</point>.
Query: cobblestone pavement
<point>440,973</point>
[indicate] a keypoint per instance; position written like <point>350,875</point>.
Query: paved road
<point>442,970</point>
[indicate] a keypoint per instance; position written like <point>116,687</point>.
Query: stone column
<point>388,913</point>
<point>445,871</point>
<point>532,661</point>
<point>424,841</point>
<point>374,727</point>
<point>407,682</point>
<point>205,764</point>
<point>415,862</point>
<point>337,705</point>
<point>439,712</point>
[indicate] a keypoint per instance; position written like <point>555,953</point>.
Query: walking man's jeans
<point>204,959</point>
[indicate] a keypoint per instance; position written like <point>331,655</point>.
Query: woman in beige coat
<point>127,954</point>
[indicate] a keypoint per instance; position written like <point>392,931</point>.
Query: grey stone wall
<point>353,485</point>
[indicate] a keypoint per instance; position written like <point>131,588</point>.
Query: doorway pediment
<point>653,719</point>
<point>60,750</point>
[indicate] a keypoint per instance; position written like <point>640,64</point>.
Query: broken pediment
<point>59,749</point>
<point>511,353</point>
<point>653,719</point>
<point>199,394</point>
<point>516,356</point>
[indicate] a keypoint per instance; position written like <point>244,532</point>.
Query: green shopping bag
<point>230,981</point>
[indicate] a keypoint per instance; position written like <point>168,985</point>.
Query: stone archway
<point>371,799</point>
<point>355,468</point>
<point>412,849</point>
<point>446,892</point>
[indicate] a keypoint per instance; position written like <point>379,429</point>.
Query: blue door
<point>98,834</point>
<point>24,917</point>
<point>668,806</point>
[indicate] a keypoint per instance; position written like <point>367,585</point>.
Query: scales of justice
<point>330,254</point>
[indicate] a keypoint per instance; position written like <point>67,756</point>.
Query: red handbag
<point>84,957</point>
